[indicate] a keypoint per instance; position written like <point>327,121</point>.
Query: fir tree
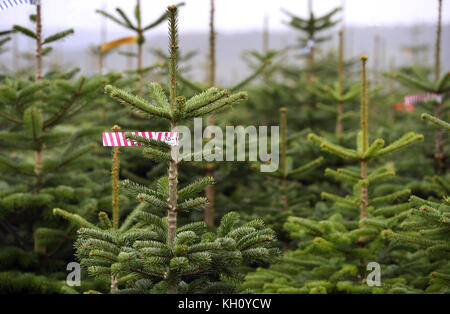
<point>155,254</point>
<point>311,27</point>
<point>336,94</point>
<point>425,229</point>
<point>332,253</point>
<point>104,223</point>
<point>31,114</point>
<point>42,44</point>
<point>40,164</point>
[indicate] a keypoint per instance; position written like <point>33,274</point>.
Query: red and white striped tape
<point>119,139</point>
<point>411,100</point>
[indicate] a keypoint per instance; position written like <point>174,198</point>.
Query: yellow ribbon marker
<point>121,41</point>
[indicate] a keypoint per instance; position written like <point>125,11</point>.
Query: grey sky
<point>232,15</point>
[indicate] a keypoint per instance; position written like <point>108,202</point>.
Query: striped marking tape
<point>411,100</point>
<point>119,139</point>
<point>6,4</point>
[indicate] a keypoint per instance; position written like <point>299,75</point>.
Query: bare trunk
<point>115,182</point>
<point>38,73</point>
<point>172,213</point>
<point>311,64</point>
<point>438,142</point>
<point>114,284</point>
<point>139,68</point>
<point>365,144</point>
<point>209,190</point>
<point>38,162</point>
<point>212,47</point>
<point>140,43</point>
<point>339,128</point>
<point>311,52</point>
<point>438,43</point>
<point>172,276</point>
<point>38,154</point>
<point>100,63</point>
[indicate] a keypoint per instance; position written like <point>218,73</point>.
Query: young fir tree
<point>313,109</point>
<point>41,157</point>
<point>425,229</point>
<point>311,27</point>
<point>262,198</point>
<point>42,44</point>
<point>333,253</point>
<point>104,223</point>
<point>134,166</point>
<point>155,254</point>
<point>43,152</point>
<point>337,93</point>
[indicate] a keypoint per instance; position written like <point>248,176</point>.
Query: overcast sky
<point>231,15</point>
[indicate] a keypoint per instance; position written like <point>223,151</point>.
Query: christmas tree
<point>424,228</point>
<point>154,254</point>
<point>311,27</point>
<point>43,152</point>
<point>333,253</point>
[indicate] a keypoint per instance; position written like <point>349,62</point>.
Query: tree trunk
<point>438,142</point>
<point>339,128</point>
<point>283,159</point>
<point>115,182</point>
<point>172,212</point>
<point>365,144</point>
<point>209,190</point>
<point>38,154</point>
<point>38,70</point>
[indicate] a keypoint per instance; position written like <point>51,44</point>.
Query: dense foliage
<point>360,180</point>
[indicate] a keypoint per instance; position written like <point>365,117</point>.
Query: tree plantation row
<point>336,181</point>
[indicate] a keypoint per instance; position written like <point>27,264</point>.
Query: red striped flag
<point>119,139</point>
<point>411,100</point>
